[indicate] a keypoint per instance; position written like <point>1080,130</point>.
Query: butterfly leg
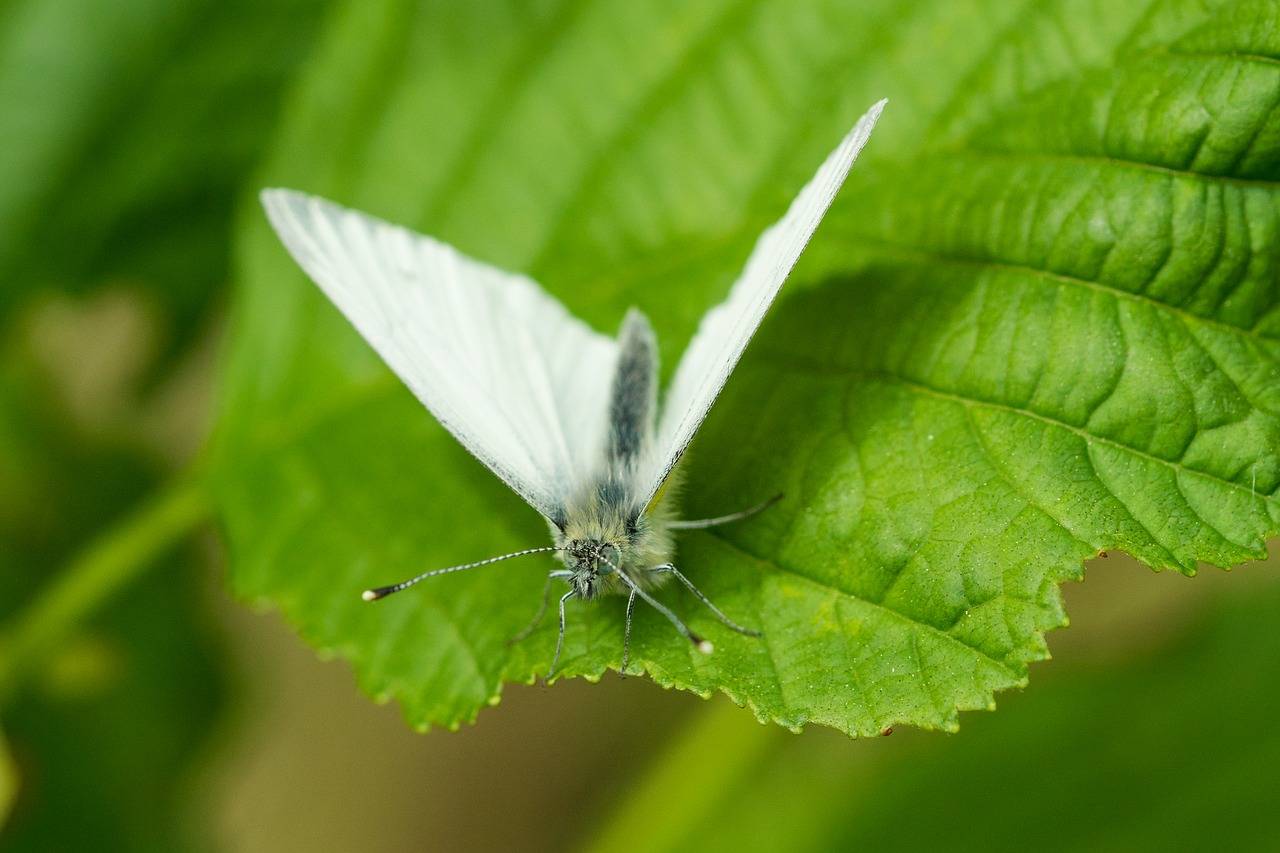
<point>542,608</point>
<point>555,661</point>
<point>671,569</point>
<point>704,523</point>
<point>626,634</point>
<point>703,645</point>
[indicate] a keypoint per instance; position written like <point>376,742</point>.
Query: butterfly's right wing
<point>520,382</point>
<point>727,328</point>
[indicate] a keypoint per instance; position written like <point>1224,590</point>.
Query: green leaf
<point>1042,322</point>
<point>8,780</point>
<point>131,125</point>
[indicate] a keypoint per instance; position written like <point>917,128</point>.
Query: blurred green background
<point>170,717</point>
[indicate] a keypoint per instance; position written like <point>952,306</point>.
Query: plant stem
<point>109,563</point>
<point>687,780</point>
<point>8,781</point>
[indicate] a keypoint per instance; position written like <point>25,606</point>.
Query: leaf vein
<point>788,361</point>
<point>879,607</point>
<point>993,459</point>
<point>716,33</point>
<point>1113,161</point>
<point>932,256</point>
<point>1241,55</point>
<point>1106,484</point>
<point>481,133</point>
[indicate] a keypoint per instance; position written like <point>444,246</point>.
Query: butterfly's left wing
<point>726,329</point>
<point>520,382</point>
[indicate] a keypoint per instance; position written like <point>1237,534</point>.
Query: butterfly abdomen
<point>633,395</point>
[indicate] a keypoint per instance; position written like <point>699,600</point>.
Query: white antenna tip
<point>705,647</point>
<point>369,595</point>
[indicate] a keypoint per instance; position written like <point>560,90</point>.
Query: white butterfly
<point>567,417</point>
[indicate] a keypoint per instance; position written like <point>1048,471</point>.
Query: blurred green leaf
<point>8,780</point>
<point>56,487</point>
<point>129,128</point>
<point>102,757</point>
<point>1042,322</point>
<point>101,732</point>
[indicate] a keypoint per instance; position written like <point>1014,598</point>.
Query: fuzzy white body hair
<point>640,541</point>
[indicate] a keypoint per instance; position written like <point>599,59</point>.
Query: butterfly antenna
<point>383,591</point>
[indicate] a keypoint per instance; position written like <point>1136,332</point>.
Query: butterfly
<point>565,416</point>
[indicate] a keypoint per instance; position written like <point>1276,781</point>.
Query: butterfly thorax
<point>602,538</point>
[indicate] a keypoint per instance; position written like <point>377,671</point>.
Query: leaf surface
<point>1040,322</point>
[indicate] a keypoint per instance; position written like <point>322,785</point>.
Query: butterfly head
<point>592,562</point>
